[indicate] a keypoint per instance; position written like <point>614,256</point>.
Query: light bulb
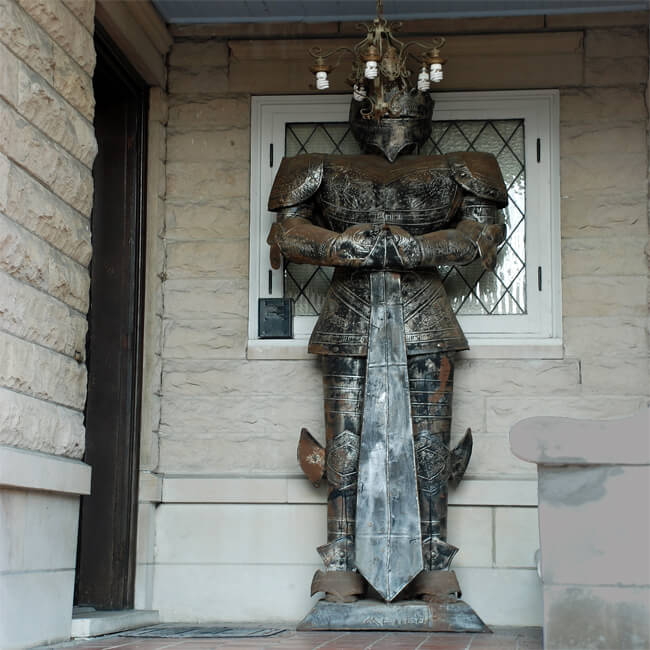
<point>372,70</point>
<point>436,73</point>
<point>322,82</point>
<point>423,81</point>
<point>359,93</point>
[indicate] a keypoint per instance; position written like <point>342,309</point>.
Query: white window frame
<point>537,334</point>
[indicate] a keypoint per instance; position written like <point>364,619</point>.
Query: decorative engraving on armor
<point>311,456</point>
<point>437,554</point>
<point>419,195</point>
<point>297,180</point>
<point>429,322</point>
<point>338,555</point>
<point>343,460</point>
<point>432,457</point>
<point>480,175</point>
<point>478,209</point>
<point>460,458</point>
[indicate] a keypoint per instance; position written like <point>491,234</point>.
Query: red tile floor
<point>501,639</point>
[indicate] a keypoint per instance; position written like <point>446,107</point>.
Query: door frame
<point>119,592</point>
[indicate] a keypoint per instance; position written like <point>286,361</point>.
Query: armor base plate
<point>445,615</point>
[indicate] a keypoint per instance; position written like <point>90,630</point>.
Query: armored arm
<point>484,194</point>
<point>297,238</point>
<point>476,235</point>
<point>486,238</point>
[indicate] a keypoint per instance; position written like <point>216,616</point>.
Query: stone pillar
<point>594,516</point>
<point>47,149</point>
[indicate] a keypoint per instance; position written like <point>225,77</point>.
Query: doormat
<point>170,631</point>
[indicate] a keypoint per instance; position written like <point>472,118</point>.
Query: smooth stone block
<point>595,525</point>
<point>89,624</point>
<point>35,608</point>
<point>596,618</point>
<point>236,593</point>
<point>567,441</point>
<point>594,515</point>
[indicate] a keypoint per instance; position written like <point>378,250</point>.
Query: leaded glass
<point>471,289</point>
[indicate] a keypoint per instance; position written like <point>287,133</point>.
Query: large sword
<point>388,544</point>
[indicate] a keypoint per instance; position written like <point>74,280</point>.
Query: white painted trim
<point>295,490</point>
<point>32,470</point>
<point>490,337</point>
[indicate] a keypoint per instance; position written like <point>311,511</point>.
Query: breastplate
<point>417,193</point>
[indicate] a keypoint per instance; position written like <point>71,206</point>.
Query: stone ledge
<point>31,470</point>
<point>87,624</point>
<point>566,441</point>
<point>295,490</point>
<point>149,487</point>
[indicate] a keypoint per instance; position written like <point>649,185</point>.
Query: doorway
<point>107,525</point>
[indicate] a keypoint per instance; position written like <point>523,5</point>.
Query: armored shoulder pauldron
<point>297,180</point>
<point>479,174</point>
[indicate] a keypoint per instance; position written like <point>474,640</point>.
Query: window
<point>512,312</point>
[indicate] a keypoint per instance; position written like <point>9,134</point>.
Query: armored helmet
<point>405,124</point>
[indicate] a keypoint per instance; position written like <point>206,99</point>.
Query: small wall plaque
<point>275,318</point>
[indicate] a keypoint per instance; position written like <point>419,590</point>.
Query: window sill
<point>296,349</point>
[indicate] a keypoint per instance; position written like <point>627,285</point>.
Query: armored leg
<point>431,383</point>
<point>343,383</point>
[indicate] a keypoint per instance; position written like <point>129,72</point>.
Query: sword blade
<point>388,550</point>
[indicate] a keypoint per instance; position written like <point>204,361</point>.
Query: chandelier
<point>380,65</point>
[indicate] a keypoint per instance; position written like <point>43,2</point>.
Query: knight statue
<point>387,335</point>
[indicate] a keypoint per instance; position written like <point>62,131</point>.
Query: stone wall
<point>225,419</point>
<point>47,148</point>
<point>149,483</point>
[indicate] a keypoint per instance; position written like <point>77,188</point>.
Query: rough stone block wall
<point>155,273</point>
<point>47,148</point>
<point>224,415</point>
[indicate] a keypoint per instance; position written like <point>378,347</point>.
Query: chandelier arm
<point>435,44</point>
<point>380,65</point>
<point>368,112</point>
<point>368,40</point>
<point>416,57</point>
<point>316,52</point>
<point>394,40</point>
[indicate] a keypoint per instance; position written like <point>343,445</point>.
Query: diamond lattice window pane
<point>307,285</point>
<point>330,137</point>
<point>471,289</point>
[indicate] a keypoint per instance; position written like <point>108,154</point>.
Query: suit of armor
<point>370,217</point>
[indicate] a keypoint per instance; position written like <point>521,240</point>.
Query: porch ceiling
<point>313,11</point>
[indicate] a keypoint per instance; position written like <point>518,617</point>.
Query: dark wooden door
<point>107,525</point>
